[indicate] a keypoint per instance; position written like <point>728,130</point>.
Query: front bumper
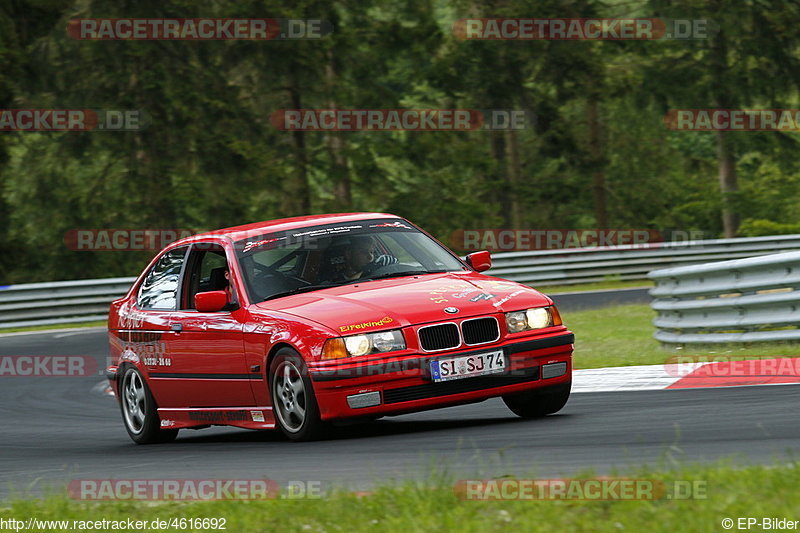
<point>401,385</point>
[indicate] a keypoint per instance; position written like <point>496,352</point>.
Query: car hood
<point>405,301</point>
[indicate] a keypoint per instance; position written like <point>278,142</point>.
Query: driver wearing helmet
<point>360,258</point>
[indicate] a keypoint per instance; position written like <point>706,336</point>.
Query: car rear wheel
<point>539,402</point>
<point>139,411</point>
<point>293,401</point>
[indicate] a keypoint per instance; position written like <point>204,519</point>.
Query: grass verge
<point>718,492</point>
<point>623,335</point>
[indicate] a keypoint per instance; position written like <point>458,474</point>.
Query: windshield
<point>327,255</point>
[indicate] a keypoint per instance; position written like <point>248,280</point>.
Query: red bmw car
<point>300,322</point>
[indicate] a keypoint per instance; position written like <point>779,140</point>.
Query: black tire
<point>139,410</point>
<point>293,401</point>
<point>539,402</point>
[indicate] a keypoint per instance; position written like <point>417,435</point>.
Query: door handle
<point>177,328</point>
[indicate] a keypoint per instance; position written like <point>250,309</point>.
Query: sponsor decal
<point>503,300</point>
<point>438,294</point>
<point>145,346</point>
<point>167,423</point>
<point>129,355</point>
<point>464,293</point>
<point>306,239</point>
<point>327,231</point>
<point>219,416</point>
<point>138,337</point>
<point>257,416</point>
<point>390,225</point>
<point>442,294</point>
<point>364,325</point>
<point>158,361</point>
<point>131,318</point>
<point>260,244</point>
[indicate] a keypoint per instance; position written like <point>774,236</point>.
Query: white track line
<point>620,378</point>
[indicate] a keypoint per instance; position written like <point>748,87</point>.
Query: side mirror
<point>211,301</point>
<point>480,261</point>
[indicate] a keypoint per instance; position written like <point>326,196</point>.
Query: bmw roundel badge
<point>451,310</point>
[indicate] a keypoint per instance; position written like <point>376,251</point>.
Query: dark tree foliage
<point>597,155</point>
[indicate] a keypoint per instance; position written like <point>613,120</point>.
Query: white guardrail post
<point>740,301</point>
<point>62,302</point>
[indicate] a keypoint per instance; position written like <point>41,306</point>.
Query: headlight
<point>357,345</point>
<point>536,318</point>
<point>364,344</point>
<point>516,321</point>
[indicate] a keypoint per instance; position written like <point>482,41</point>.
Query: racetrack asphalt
<point>55,430</point>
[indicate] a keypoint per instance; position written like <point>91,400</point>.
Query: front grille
<point>480,330</point>
<point>439,337</point>
<point>446,388</point>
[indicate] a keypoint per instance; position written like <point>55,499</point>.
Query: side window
<point>205,271</point>
<point>160,286</point>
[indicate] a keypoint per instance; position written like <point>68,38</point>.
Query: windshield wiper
<point>308,288</point>
<point>404,273</point>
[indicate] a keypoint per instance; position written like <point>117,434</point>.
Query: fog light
<point>553,370</point>
<point>367,399</point>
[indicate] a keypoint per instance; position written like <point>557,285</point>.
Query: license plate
<point>468,366</point>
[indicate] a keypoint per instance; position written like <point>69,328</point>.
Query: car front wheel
<point>539,402</point>
<point>293,401</point>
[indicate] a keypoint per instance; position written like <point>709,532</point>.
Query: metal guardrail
<point>64,302</point>
<point>744,300</point>
<point>59,302</point>
<point>630,262</point>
